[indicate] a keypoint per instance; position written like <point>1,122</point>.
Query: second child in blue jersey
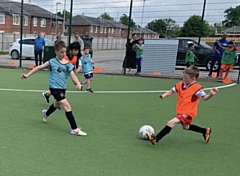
<point>86,65</point>
<point>60,70</point>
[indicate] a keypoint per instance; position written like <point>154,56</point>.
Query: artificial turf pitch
<point>30,147</point>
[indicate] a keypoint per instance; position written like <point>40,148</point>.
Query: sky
<point>144,11</point>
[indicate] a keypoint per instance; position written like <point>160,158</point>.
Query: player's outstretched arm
<point>166,94</point>
<point>75,80</point>
<point>34,70</point>
<point>213,91</point>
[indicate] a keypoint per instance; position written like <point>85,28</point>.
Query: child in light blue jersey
<point>85,63</point>
<point>60,70</point>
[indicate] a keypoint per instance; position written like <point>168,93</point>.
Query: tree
<point>164,27</point>
<point>124,19</point>
<point>217,28</point>
<point>191,27</point>
<point>106,16</point>
<point>232,17</point>
<point>61,14</point>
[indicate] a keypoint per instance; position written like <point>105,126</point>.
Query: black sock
<point>163,132</point>
<point>197,129</point>
<point>50,110</point>
<point>71,120</point>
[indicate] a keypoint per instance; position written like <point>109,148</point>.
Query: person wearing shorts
<point>188,93</point>
<point>60,70</point>
<point>228,60</point>
<point>86,65</point>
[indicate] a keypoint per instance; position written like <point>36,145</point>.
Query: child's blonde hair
<point>59,45</point>
<point>192,71</point>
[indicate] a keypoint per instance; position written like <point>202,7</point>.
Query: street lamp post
<point>64,16</point>
<point>142,17</point>
<point>56,25</point>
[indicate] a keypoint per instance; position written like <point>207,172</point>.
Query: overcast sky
<point>178,10</point>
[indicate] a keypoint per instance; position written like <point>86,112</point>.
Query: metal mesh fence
<point>107,21</point>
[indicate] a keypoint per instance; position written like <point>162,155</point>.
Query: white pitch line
<point>110,92</point>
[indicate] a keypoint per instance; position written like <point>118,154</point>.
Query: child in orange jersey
<point>72,58</point>
<point>228,59</point>
<point>188,94</point>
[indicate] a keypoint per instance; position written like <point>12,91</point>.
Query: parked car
<point>203,52</point>
<point>237,62</point>
<point>27,48</point>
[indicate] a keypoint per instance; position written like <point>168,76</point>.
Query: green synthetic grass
<point>30,147</point>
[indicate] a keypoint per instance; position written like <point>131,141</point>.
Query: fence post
<point>128,41</point>
<point>2,41</point>
<point>201,26</point>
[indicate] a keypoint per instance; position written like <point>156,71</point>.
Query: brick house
<point>35,19</point>
<point>233,31</point>
<point>145,33</point>
<point>98,27</point>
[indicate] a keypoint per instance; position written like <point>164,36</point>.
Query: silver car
<point>27,48</point>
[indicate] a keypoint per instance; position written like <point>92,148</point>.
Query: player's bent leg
<point>186,127</point>
<point>66,105</point>
<point>171,123</point>
<point>204,131</point>
<point>46,95</point>
<point>75,130</point>
<point>57,105</point>
<point>206,135</point>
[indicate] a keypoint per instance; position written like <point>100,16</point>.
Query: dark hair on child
<point>190,45</point>
<point>74,45</point>
<point>86,47</point>
<point>59,45</point>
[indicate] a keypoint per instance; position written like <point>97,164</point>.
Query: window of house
<point>119,31</point>
<point>35,21</point>
<point>109,30</point>
<point>91,29</point>
<point>43,22</point>
<point>101,30</point>
<point>112,30</point>
<point>105,30</point>
<point>53,24</point>
<point>59,24</point>
<point>95,29</point>
<point>16,19</point>
<point>2,18</point>
<point>25,20</point>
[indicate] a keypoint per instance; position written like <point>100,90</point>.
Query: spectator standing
<point>139,56</point>
<point>39,43</point>
<point>190,56</point>
<point>80,43</point>
<point>87,40</point>
<point>130,58</point>
<point>228,60</point>
<point>218,53</point>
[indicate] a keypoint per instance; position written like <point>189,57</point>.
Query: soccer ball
<point>144,130</point>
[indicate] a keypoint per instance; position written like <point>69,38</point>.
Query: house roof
<point>10,7</point>
<point>234,29</point>
<point>144,31</point>
<point>81,20</point>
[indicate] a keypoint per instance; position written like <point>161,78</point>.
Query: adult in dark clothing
<point>80,43</point>
<point>87,40</point>
<point>130,58</point>
<point>39,43</point>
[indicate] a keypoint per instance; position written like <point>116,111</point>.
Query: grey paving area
<point>110,62</point>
